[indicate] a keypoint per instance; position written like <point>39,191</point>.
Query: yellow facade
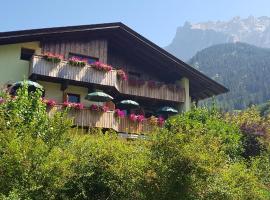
<point>12,68</point>
<point>53,91</point>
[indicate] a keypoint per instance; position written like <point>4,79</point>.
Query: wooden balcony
<point>89,118</point>
<point>88,74</point>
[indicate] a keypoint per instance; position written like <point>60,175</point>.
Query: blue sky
<point>155,19</point>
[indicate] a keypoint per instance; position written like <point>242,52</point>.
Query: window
<point>89,59</point>
<point>26,54</point>
<point>73,98</point>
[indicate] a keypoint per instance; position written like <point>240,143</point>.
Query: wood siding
<point>89,118</point>
<point>93,48</point>
<point>129,65</point>
<point>88,74</point>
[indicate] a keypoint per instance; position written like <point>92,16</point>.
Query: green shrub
<point>197,155</point>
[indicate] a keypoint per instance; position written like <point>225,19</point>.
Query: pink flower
<point>122,75</point>
<point>101,66</point>
<point>140,118</point>
<point>2,100</point>
<point>67,104</point>
<point>119,113</point>
<point>77,61</point>
<point>104,108</point>
<point>94,107</point>
<point>78,106</point>
<point>160,121</point>
<point>133,117</point>
<point>51,103</point>
<point>56,58</point>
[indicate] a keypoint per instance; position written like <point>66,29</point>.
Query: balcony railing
<point>89,118</point>
<point>88,74</point>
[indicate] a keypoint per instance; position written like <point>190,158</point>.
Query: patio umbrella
<point>98,97</point>
<point>128,104</point>
<point>168,110</point>
<point>32,86</point>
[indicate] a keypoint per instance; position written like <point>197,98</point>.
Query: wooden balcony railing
<point>88,74</point>
<point>89,118</point>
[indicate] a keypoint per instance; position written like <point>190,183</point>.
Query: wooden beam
<point>64,85</point>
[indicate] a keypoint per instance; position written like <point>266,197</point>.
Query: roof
<point>201,86</point>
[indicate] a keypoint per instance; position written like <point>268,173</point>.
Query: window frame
<point>30,52</point>
<point>71,54</point>
<point>73,94</point>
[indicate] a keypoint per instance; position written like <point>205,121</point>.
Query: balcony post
<point>184,107</point>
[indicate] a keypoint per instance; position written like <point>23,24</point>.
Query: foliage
<point>242,68</point>
<point>196,155</point>
<point>211,125</point>
<point>54,58</point>
<point>106,168</point>
<point>76,61</point>
<point>255,128</point>
<point>33,162</point>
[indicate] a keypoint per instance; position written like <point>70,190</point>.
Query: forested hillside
<point>243,68</point>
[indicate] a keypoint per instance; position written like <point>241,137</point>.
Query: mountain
<point>192,38</point>
<point>243,68</point>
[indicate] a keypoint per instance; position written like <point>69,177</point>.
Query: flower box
<point>54,58</point>
<point>75,61</point>
<point>101,66</point>
<point>77,106</point>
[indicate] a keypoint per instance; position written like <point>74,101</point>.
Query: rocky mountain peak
<point>193,37</point>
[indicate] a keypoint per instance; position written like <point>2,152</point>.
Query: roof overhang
<point>201,86</point>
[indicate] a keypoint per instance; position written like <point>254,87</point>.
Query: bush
<point>33,160</point>
<point>197,155</point>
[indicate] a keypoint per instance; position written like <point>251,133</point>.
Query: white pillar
<point>184,82</point>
